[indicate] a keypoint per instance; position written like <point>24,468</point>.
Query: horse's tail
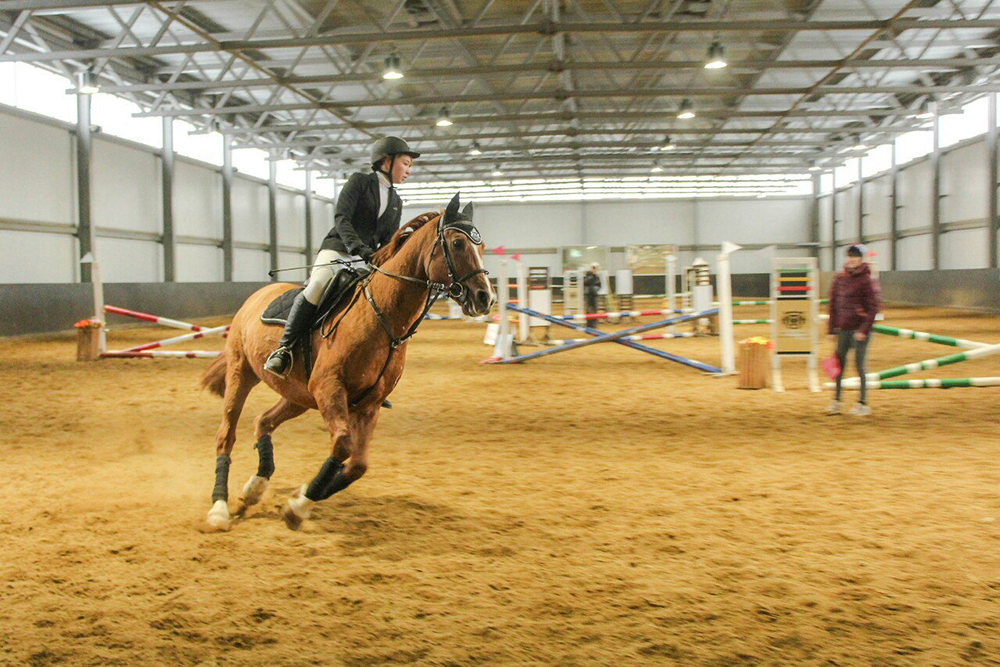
<point>214,378</point>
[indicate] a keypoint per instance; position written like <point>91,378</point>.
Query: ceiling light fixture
<point>668,144</point>
<point>716,56</point>
<point>474,149</point>
<point>686,111</point>
<point>392,70</point>
<point>443,119</point>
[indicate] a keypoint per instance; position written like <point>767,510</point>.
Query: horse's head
<point>460,264</point>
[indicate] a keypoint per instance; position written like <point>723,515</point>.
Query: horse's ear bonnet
<point>461,222</point>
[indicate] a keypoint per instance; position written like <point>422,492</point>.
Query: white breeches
<point>323,274</point>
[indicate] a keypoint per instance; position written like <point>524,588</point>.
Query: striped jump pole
<point>948,383</point>
<point>179,339</point>
<point>928,337</point>
<point>581,317</point>
<point>636,337</point>
<point>927,364</point>
<point>146,317</point>
<point>766,303</point>
<point>173,354</point>
<point>599,337</point>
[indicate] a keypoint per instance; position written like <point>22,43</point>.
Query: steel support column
<point>833,225</point>
<point>272,214</point>
<point>991,170</point>
<point>309,218</point>
<point>814,226</point>
<point>85,227</point>
<point>861,205</point>
<point>894,207</point>
<point>935,161</point>
<point>227,210</point>
<point>167,182</point>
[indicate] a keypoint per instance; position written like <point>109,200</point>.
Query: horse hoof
<point>218,516</point>
<point>253,490</point>
<point>291,517</point>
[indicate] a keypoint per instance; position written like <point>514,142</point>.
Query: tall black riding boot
<point>300,317</point>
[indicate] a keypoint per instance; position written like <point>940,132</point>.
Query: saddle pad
<point>342,284</point>
<point>277,311</point>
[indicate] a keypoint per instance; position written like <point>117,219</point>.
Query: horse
<point>359,353</point>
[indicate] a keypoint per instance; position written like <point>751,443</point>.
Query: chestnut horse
<point>356,366</point>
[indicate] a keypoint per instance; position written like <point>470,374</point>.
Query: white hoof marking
<point>218,516</point>
<point>254,489</point>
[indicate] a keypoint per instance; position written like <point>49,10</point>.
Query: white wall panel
<point>753,220</point>
<point>199,264</point>
<point>915,196</point>
<point>964,184</point>
<point>125,188</point>
<point>250,265</point>
<point>127,261</point>
<point>914,253</point>
<point>291,219</point>
<point>528,225</point>
<point>322,221</point>
<point>197,201</point>
<point>847,216</point>
<point>28,257</point>
<point>825,225</point>
<point>624,223</point>
<point>250,215</point>
<point>883,254</point>
<point>878,206</point>
<point>292,259</point>
<point>36,172</point>
<point>965,249</point>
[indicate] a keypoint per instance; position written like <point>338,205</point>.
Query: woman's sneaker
<point>835,408</point>
<point>860,410</point>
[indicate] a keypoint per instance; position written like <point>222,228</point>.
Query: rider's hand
<point>858,336</point>
<point>365,253</point>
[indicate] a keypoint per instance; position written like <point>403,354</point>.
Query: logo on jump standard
<point>794,319</point>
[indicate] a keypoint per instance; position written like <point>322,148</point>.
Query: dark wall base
<point>970,289</point>
<point>26,309</point>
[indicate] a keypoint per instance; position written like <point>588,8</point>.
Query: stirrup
<point>284,356</point>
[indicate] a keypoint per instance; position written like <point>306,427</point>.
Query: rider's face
<point>401,168</point>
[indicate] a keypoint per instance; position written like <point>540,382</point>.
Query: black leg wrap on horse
<point>329,480</point>
<point>265,454</point>
<point>221,490</point>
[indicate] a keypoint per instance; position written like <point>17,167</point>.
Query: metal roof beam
<point>561,95</point>
<point>545,28</point>
<point>459,73</point>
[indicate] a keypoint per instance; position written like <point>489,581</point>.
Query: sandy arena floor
<point>599,507</point>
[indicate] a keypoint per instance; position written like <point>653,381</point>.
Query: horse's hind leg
<point>240,379</point>
<point>264,426</point>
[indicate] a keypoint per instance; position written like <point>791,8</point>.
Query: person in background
<point>854,303</point>
<point>591,287</point>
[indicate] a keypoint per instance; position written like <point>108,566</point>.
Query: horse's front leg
<point>349,435</point>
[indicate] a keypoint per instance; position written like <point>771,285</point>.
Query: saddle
<point>342,284</point>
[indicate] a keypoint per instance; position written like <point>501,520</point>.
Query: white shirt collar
<point>383,180</point>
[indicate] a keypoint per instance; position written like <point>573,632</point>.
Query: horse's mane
<point>387,251</point>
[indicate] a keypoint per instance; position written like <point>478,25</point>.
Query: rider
<point>367,214</point>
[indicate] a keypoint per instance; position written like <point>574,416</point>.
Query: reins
<point>434,291</point>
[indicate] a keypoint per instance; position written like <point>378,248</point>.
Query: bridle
<point>455,289</point>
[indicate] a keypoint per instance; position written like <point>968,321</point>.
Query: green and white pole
<point>925,365</point>
<point>928,337</point>
<point>950,383</point>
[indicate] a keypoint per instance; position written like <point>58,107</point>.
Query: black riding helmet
<point>390,147</point>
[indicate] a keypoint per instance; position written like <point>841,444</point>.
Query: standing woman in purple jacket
<point>854,303</point>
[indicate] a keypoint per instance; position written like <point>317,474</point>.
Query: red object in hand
<point>831,366</point>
